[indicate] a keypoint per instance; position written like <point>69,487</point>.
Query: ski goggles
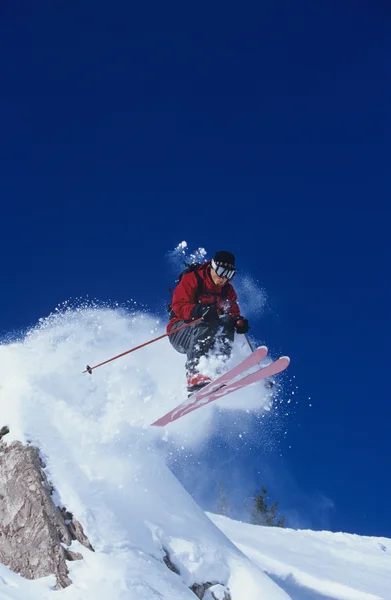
<point>223,271</point>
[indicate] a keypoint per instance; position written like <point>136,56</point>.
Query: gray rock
<point>208,591</point>
<point>200,588</point>
<point>168,562</point>
<point>217,592</point>
<point>203,591</point>
<point>34,533</point>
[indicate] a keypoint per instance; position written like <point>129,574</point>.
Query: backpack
<point>194,268</point>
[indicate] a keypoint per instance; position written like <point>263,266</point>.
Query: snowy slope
<point>104,461</point>
<point>108,468</point>
<point>316,565</point>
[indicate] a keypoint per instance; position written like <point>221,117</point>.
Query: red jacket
<point>187,294</point>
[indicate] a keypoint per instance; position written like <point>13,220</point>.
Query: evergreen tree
<point>281,522</point>
<point>222,504</point>
<point>271,515</point>
<point>261,514</point>
<point>259,508</point>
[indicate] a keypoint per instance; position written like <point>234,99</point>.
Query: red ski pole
<point>90,369</point>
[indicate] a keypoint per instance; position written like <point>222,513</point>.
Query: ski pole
<point>268,382</point>
<point>249,343</point>
<point>90,369</point>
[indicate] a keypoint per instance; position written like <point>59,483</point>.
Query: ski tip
<point>285,359</point>
<point>264,348</point>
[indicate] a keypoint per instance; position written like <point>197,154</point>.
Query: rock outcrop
<point>35,534</point>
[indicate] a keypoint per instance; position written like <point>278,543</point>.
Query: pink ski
<point>273,369</point>
<point>223,388</point>
<point>196,399</point>
<point>250,361</point>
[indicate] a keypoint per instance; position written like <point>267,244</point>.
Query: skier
<point>204,291</point>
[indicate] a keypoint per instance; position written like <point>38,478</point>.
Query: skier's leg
<point>181,341</point>
<point>225,338</point>
<point>196,341</point>
<point>202,340</point>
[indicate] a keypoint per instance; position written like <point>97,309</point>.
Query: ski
<point>223,388</point>
<point>250,361</point>
<point>273,368</point>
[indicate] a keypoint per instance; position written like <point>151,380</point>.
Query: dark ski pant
<point>197,340</point>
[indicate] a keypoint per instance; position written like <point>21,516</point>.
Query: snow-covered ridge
<point>108,467</point>
<point>316,565</point>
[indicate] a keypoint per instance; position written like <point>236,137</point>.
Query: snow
<point>316,564</point>
<point>108,468</point>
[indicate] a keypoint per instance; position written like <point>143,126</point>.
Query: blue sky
<point>259,129</point>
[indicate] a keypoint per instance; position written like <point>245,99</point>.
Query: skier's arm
<point>184,295</point>
<point>240,323</point>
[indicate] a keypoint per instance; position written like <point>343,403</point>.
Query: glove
<point>208,312</point>
<point>241,325</point>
